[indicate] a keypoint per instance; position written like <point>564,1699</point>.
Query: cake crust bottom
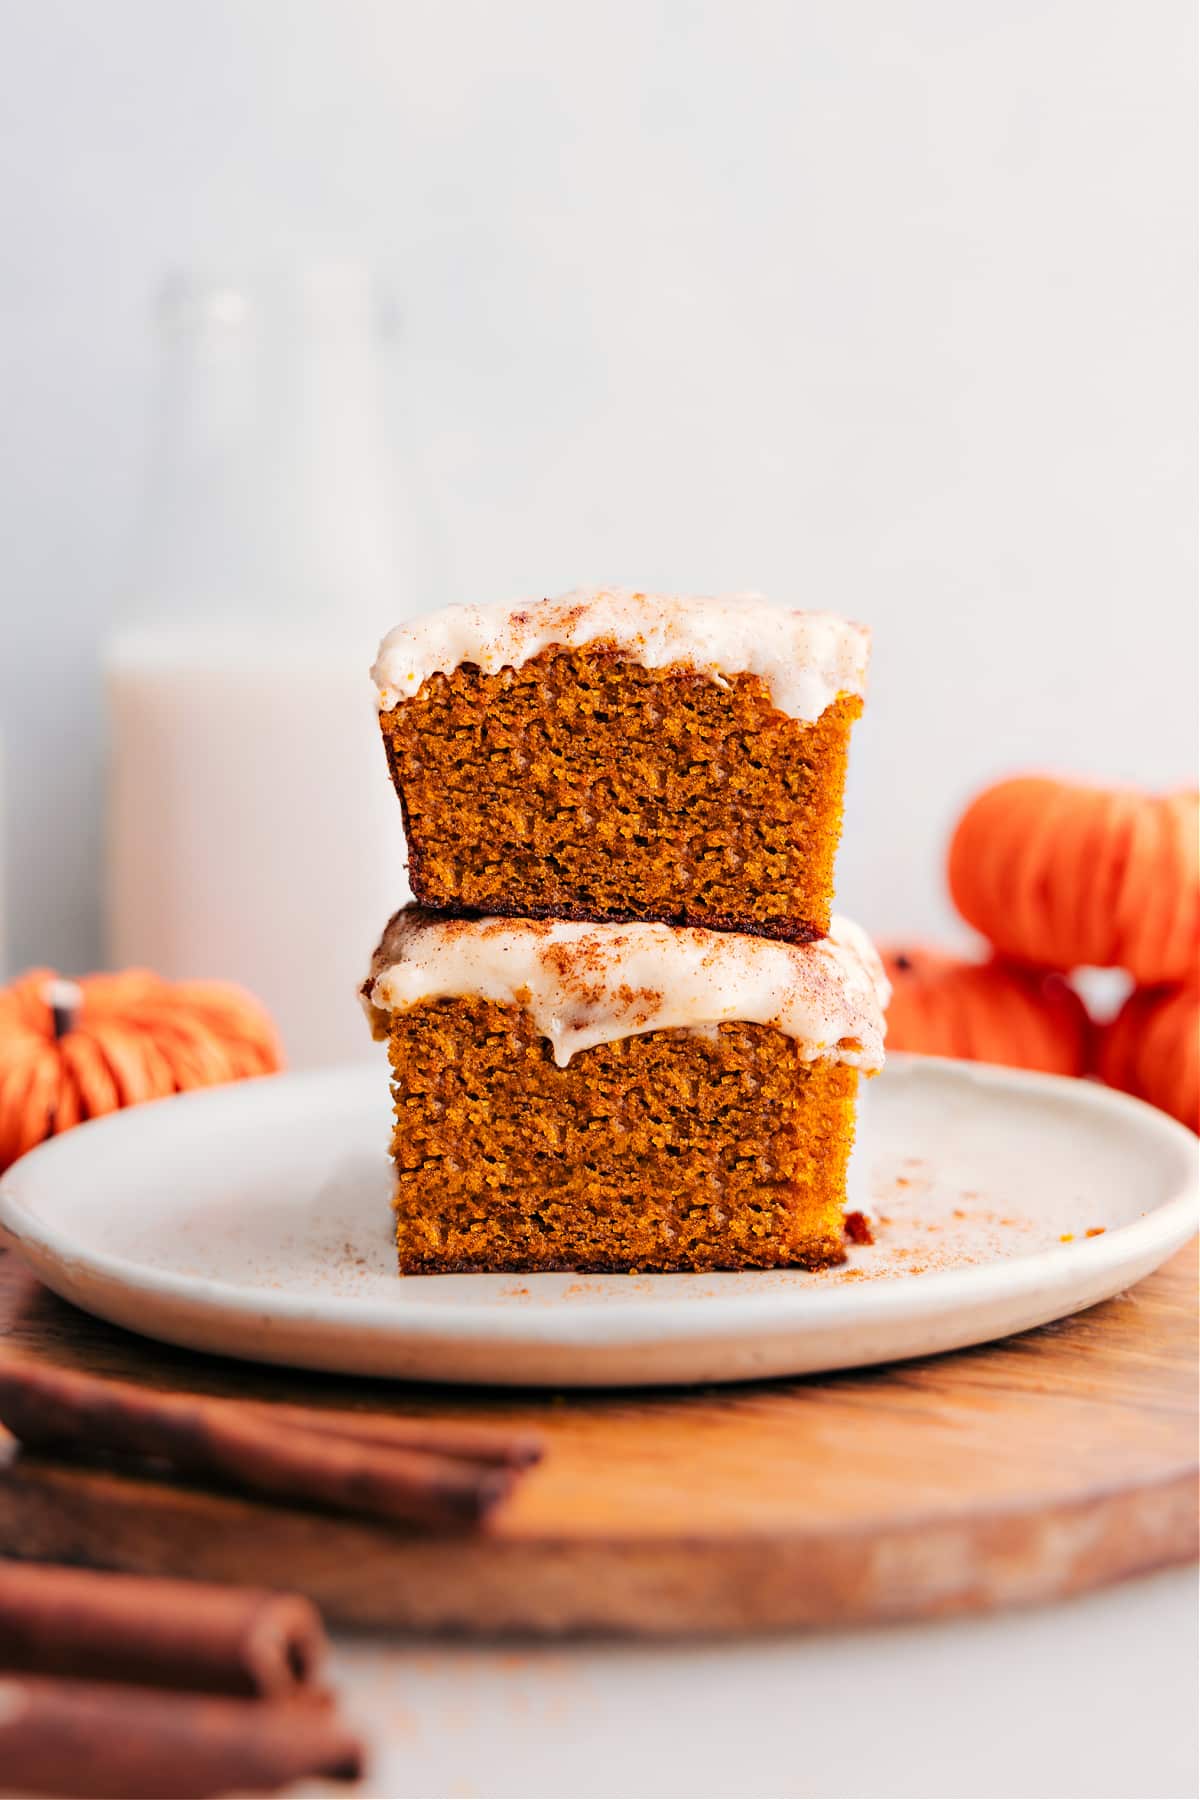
<point>816,1257</point>
<point>787,931</point>
<point>676,1150</point>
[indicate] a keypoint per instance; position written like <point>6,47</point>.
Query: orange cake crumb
<point>676,1149</point>
<point>583,785</point>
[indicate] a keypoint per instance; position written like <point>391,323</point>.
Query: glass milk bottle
<point>253,833</point>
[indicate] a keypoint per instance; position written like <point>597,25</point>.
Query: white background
<point>883,305</point>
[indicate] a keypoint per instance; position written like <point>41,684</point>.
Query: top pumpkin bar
<point>614,756</point>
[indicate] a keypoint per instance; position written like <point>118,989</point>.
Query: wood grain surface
<point>1015,1473</point>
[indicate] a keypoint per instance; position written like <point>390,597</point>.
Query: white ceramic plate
<point>253,1221</point>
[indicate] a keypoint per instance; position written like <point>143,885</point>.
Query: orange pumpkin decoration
<point>71,1052</point>
<point>1152,1049</point>
<point>1058,875</point>
<point>987,1012</point>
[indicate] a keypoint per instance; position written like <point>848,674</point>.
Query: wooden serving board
<point>1023,1471</point>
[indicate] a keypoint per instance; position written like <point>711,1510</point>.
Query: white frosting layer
<point>806,658</point>
<point>590,984</point>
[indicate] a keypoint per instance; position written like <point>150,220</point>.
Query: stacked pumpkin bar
<point>624,1031</point>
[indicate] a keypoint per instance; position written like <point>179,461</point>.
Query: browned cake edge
<point>790,931</point>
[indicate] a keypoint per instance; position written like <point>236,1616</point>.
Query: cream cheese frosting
<point>586,984</point>
<point>806,658</point>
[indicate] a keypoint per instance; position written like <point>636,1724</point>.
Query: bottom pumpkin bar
<point>613,1097</point>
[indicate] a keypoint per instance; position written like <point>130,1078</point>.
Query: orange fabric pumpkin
<point>1057,875</point>
<point>69,1053</point>
<point>987,1012</point>
<point>1152,1049</point>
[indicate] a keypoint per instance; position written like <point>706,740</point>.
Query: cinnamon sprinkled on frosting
<point>806,658</point>
<point>585,984</point>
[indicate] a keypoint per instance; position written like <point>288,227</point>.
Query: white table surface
<point>1093,1698</point>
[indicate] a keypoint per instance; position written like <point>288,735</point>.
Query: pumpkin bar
<point>618,756</point>
<point>620,1096</point>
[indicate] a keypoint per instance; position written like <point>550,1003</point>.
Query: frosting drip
<point>806,658</point>
<point>592,984</point>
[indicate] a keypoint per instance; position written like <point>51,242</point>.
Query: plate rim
<point>643,1318</point>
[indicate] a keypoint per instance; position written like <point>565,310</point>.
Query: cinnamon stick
<point>249,1447</point>
<point>475,1443</point>
<point>87,1739</point>
<point>155,1633</point>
